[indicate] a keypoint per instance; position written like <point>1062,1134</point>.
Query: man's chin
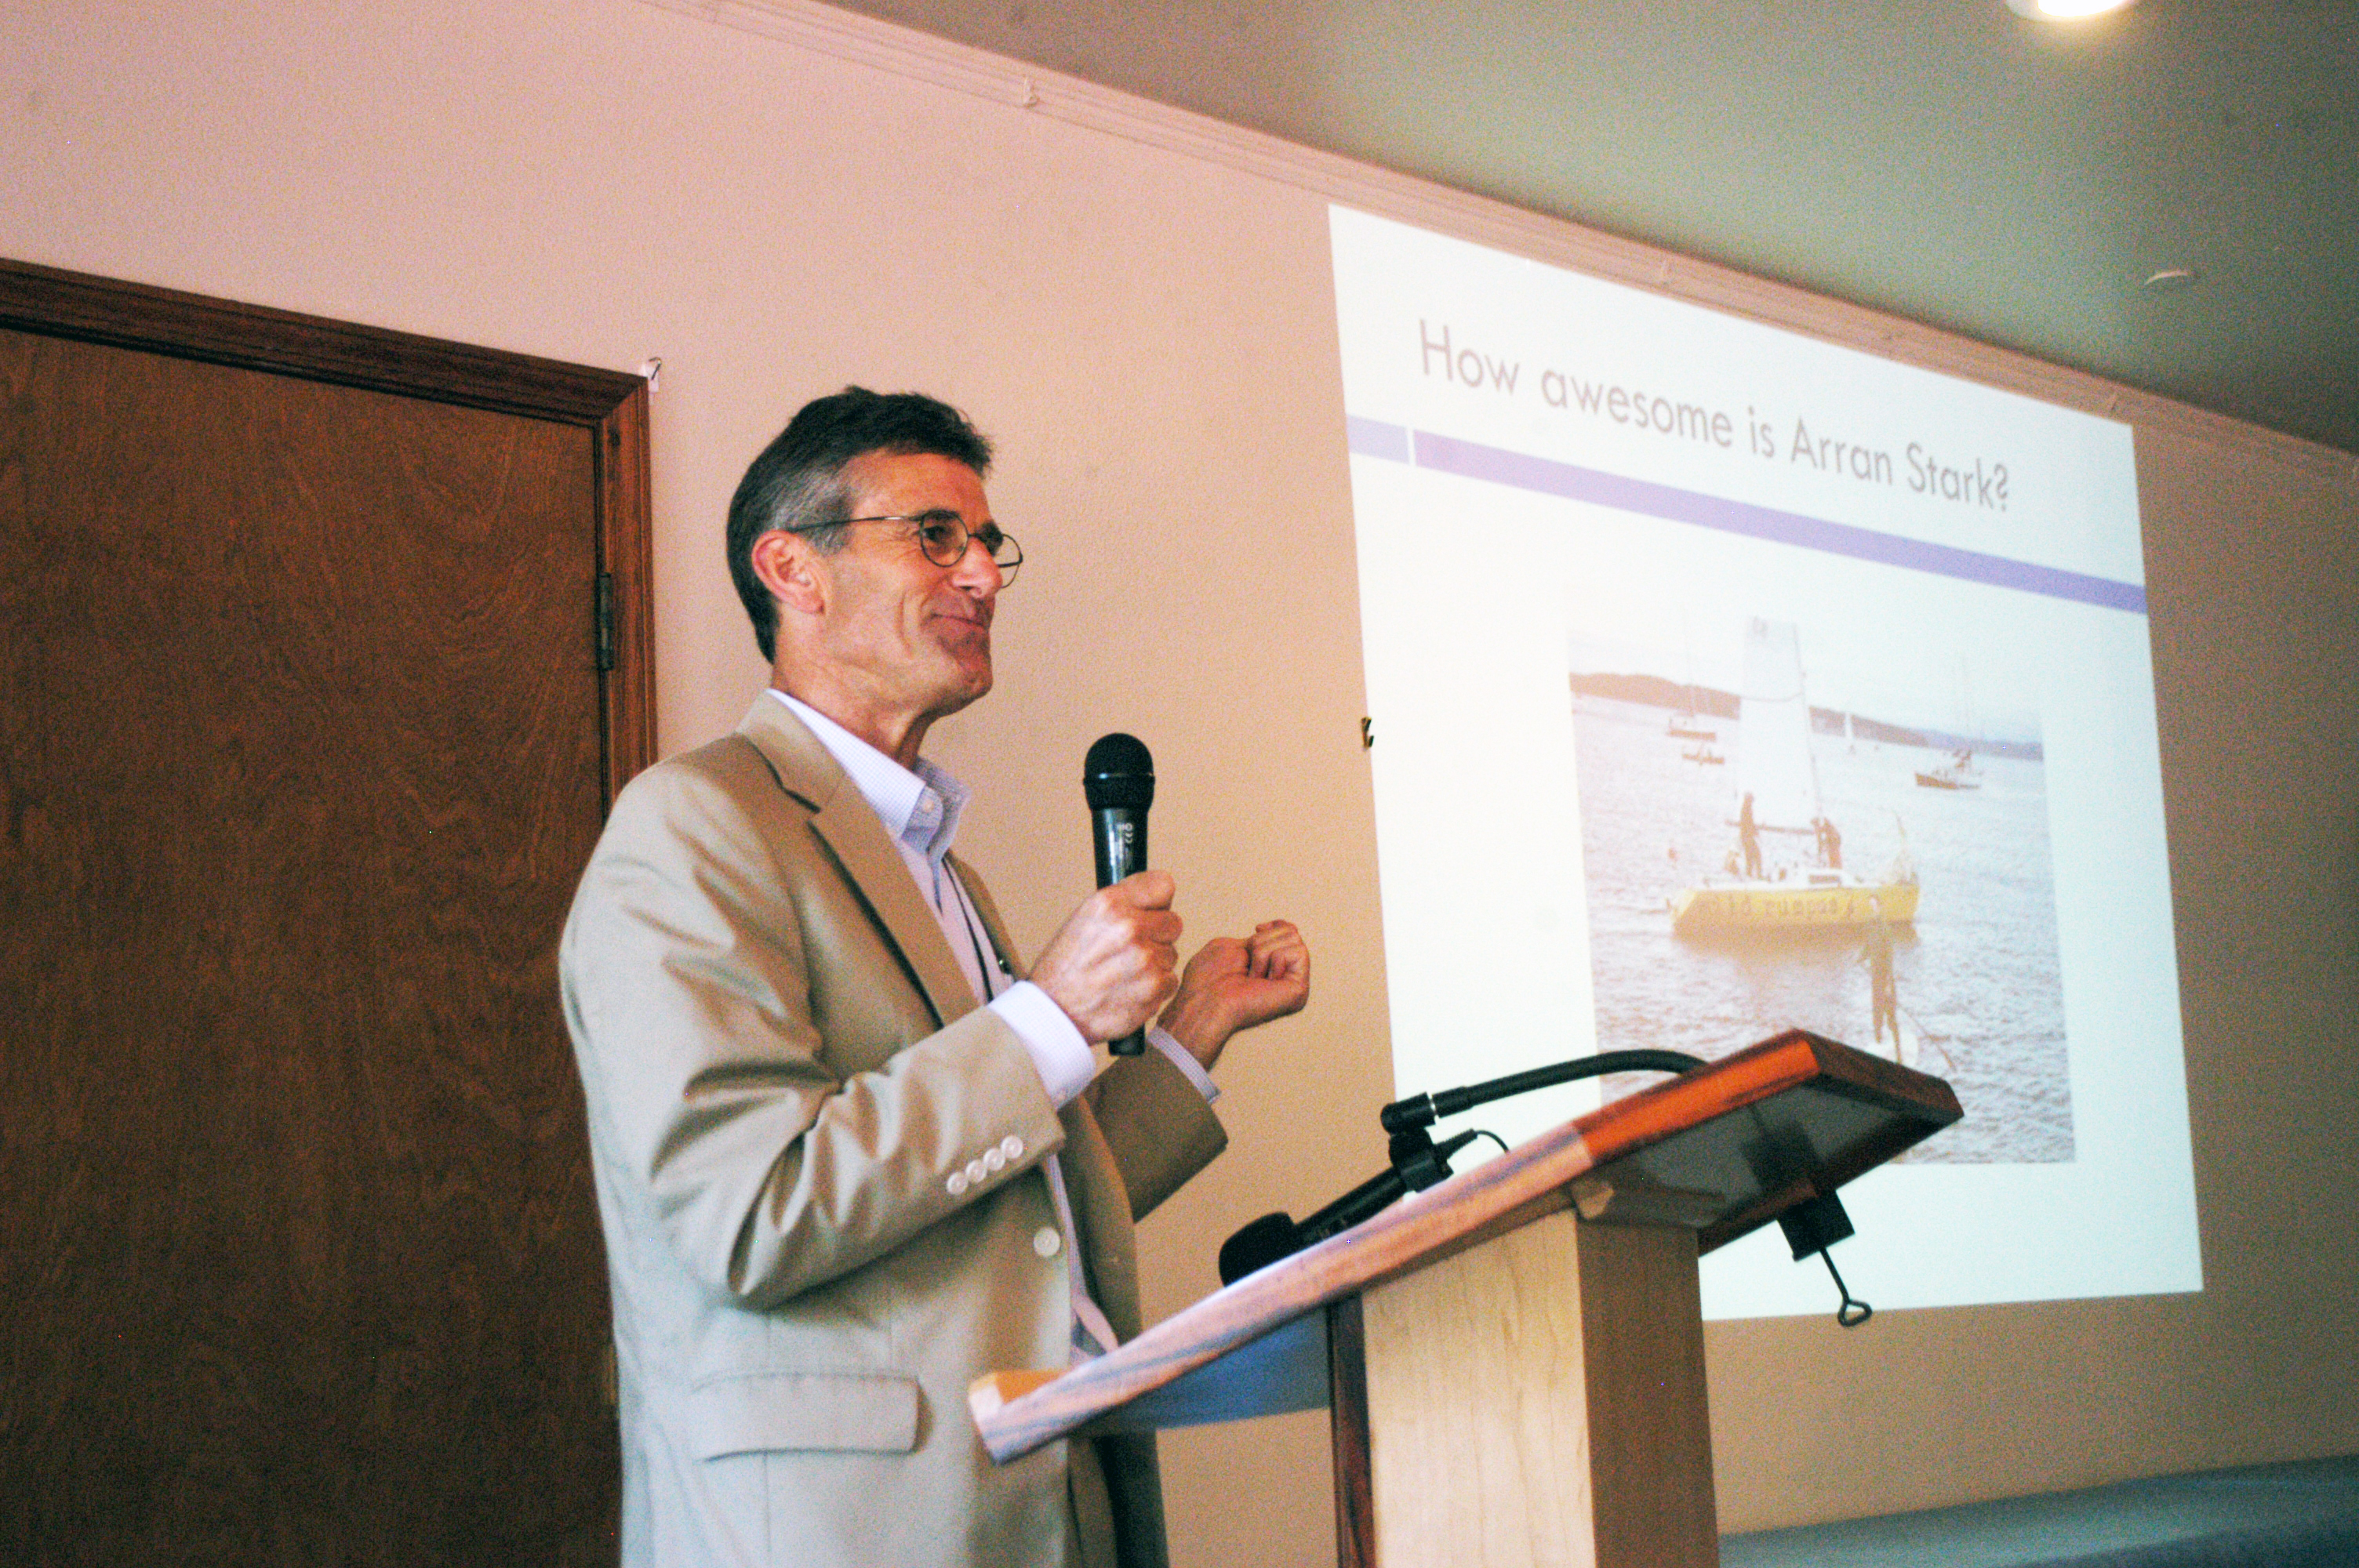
<point>970,681</point>
<point>969,655</point>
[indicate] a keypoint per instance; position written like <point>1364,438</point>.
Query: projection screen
<point>1723,680</point>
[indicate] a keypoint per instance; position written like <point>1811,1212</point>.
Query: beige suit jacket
<point>791,1093</point>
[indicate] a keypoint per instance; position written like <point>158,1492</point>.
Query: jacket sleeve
<point>1157,1126</point>
<point>755,1055</point>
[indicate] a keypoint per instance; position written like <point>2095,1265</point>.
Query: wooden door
<point>304,737</point>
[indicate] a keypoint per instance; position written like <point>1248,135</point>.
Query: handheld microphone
<point>1118,780</point>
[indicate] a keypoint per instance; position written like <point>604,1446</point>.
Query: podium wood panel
<point>1540,1400</point>
<point>1650,1419</point>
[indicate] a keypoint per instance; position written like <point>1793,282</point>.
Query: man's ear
<point>786,564</point>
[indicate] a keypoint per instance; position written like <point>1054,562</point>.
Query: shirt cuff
<point>1060,1054</point>
<point>1185,1060</point>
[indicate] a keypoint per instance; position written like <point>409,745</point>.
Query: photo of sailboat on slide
<point>1778,891</point>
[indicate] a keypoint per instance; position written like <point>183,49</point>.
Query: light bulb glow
<point>2065,10</point>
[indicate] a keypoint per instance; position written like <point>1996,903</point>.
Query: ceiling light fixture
<point>2065,10</point>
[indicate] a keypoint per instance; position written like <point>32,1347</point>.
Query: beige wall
<point>1139,308</point>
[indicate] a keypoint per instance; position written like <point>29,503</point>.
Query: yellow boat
<point>1815,899</point>
<point>1779,795</point>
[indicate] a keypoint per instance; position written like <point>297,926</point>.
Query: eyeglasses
<point>943,535</point>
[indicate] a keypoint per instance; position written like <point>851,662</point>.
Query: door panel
<point>301,748</point>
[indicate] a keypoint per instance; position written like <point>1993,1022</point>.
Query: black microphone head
<point>1118,772</point>
<point>1258,1245</point>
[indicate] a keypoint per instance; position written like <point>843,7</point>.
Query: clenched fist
<point>1233,984</point>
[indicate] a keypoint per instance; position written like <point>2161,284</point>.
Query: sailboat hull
<point>1721,907</point>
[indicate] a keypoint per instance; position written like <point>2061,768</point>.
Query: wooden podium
<point>1514,1359</point>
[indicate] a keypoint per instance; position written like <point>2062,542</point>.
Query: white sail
<point>1773,731</point>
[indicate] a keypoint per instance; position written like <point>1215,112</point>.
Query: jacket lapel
<point>870,862</point>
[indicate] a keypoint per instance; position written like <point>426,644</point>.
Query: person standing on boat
<point>1748,835</point>
<point>1884,990</point>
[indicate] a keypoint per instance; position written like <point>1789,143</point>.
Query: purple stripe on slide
<point>1469,459</point>
<point>1370,439</point>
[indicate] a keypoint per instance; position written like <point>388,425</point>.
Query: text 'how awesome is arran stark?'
<point>1923,469</point>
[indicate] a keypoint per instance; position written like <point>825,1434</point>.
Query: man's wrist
<point>1197,1024</point>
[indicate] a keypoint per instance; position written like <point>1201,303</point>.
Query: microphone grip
<point>1118,782</point>
<point>1120,840</point>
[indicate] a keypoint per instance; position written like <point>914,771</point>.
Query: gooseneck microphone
<point>1118,779</point>
<point>1418,1164</point>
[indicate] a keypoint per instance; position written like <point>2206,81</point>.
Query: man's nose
<point>976,572</point>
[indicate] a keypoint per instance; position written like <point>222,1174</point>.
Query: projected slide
<point>1723,681</point>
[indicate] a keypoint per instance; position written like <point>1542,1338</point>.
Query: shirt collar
<point>920,809</point>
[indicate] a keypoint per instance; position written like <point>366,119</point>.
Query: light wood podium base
<point>1536,1400</point>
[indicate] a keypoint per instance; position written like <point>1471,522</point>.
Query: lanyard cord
<point>983,964</point>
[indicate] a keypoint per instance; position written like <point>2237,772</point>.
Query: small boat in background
<point>1687,727</point>
<point>1687,724</point>
<point>1958,773</point>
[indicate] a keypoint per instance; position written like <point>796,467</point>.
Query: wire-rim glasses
<point>943,535</point>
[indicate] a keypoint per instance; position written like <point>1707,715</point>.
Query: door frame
<point>618,619</point>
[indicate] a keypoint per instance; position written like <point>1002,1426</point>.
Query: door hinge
<point>603,631</point>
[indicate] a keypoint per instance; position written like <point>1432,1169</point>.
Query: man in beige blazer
<point>847,1160</point>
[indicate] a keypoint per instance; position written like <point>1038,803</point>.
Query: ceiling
<point>1953,163</point>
